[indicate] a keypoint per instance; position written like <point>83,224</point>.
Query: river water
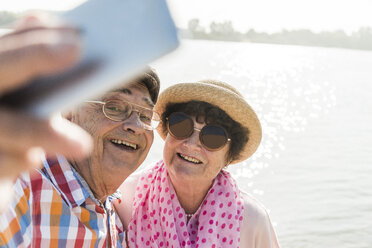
<point>313,170</point>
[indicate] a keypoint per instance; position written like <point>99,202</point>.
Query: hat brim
<point>224,98</point>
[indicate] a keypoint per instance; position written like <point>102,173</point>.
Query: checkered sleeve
<point>15,222</point>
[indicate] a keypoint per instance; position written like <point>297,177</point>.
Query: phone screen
<point>119,38</point>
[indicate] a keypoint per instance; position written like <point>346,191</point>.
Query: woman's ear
<point>226,165</point>
<point>228,161</point>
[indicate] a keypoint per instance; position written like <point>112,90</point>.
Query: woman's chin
<point>185,171</point>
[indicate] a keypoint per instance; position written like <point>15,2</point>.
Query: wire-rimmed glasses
<point>120,110</point>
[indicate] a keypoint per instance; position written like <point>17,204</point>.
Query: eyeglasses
<point>181,126</point>
<point>120,110</point>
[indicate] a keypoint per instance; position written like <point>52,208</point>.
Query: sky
<point>262,15</point>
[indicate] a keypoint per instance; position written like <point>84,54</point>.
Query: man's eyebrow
<point>129,92</point>
<point>149,102</point>
<point>124,90</point>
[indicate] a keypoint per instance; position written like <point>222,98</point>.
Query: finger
<point>21,131</point>
<point>12,163</point>
<point>79,141</point>
<point>36,52</point>
<point>39,19</point>
<point>29,21</point>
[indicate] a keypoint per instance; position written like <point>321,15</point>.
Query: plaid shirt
<point>54,207</point>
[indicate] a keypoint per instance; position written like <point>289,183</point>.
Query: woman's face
<point>188,159</point>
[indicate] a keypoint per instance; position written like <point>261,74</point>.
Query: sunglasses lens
<point>180,125</point>
<point>213,137</point>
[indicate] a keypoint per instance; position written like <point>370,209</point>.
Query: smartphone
<point>119,38</point>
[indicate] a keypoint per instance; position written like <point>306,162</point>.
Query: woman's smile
<point>189,158</point>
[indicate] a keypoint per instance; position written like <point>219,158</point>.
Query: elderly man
<point>68,202</point>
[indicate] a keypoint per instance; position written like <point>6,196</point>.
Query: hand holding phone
<point>23,137</point>
<point>119,37</point>
<point>41,72</point>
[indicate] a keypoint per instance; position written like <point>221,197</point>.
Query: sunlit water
<point>313,170</point>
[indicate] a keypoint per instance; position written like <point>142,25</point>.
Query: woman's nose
<point>193,140</point>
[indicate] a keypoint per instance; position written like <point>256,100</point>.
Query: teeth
<point>191,159</point>
<point>122,142</point>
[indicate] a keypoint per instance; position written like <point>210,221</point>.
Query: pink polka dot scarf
<point>158,219</point>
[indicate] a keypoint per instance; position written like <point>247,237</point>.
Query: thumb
<point>74,142</point>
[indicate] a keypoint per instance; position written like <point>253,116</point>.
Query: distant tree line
<point>7,18</point>
<point>361,39</point>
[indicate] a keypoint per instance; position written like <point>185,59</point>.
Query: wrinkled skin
<point>109,164</point>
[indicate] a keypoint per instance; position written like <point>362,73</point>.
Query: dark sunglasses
<point>181,126</point>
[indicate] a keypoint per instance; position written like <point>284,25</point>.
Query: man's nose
<point>133,123</point>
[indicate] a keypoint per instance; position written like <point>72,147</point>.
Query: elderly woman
<point>188,199</point>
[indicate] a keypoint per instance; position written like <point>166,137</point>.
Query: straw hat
<point>221,95</point>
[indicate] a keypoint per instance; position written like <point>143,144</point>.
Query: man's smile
<point>124,144</point>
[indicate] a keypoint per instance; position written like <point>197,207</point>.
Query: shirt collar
<point>72,186</point>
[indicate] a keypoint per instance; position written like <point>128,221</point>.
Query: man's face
<point>113,152</point>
